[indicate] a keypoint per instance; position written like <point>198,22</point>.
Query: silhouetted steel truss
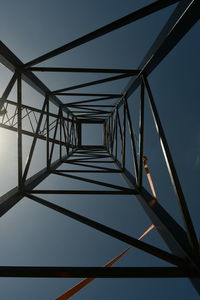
<point>182,242</point>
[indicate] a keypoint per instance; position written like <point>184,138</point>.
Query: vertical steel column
<point>141,135</point>
<point>47,137</point>
<point>76,136</point>
<point>79,132</point>
<point>105,133</point>
<point>65,135</point>
<point>71,131</point>
<point>134,151</point>
<point>113,132</point>
<point>60,118</point>
<point>54,136</point>
<point>124,138</point>
<point>109,134</point>
<point>19,130</point>
<point>106,128</point>
<point>116,135</point>
<point>67,129</point>
<point>8,89</point>
<point>34,143</point>
<point>121,135</point>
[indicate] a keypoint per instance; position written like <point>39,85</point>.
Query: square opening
<point>92,134</point>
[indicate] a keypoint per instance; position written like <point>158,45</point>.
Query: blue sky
<point>34,235</point>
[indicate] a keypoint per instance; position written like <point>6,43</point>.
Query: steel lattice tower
<point>65,129</point>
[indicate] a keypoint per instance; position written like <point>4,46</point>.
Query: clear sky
<point>34,235</point>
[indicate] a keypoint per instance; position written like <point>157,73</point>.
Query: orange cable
<point>76,288</point>
<point>154,200</point>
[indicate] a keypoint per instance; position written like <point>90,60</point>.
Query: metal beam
<point>132,136</point>
<point>91,105</point>
<point>141,135</point>
<point>83,192</point>
<point>96,272</point>
<point>74,87</point>
<point>83,70</point>
<point>92,121</point>
<point>8,89</point>
<point>91,95</point>
<point>134,16</point>
<point>19,131</point>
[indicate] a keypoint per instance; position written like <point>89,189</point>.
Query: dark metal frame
<point>182,242</point>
